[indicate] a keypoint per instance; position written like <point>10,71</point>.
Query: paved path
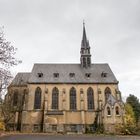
<point>67,137</point>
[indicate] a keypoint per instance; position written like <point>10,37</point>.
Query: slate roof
<point>64,70</point>
<point>21,79</point>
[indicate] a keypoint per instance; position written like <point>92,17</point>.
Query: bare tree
<point>7,60</point>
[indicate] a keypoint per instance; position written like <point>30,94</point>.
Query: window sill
<point>73,110</point>
<point>37,109</point>
<point>54,109</point>
<point>118,115</point>
<point>90,110</point>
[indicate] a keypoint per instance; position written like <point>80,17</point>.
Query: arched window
<point>15,98</point>
<point>73,98</point>
<point>88,61</point>
<point>37,99</point>
<point>84,62</point>
<point>90,98</point>
<point>107,93</point>
<point>55,98</point>
<point>117,110</point>
<point>108,111</point>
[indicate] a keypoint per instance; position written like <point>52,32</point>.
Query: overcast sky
<point>50,31</point>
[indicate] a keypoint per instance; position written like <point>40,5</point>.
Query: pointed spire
<point>85,50</point>
<point>84,43</point>
<point>84,32</point>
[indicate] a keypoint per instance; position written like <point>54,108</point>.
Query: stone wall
<point>66,120</point>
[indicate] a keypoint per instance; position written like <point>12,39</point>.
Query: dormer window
<point>88,75</point>
<point>103,74</point>
<point>72,75</point>
<point>56,75</point>
<point>40,74</point>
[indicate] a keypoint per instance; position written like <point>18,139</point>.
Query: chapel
<point>65,98</point>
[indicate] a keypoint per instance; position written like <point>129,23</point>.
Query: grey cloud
<point>51,31</point>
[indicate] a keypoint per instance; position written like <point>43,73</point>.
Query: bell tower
<point>85,50</point>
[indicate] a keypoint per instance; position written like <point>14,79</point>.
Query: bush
<point>2,126</point>
<point>127,130</point>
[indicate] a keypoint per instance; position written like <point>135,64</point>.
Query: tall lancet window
<point>55,98</point>
<point>107,93</point>
<point>73,98</point>
<point>37,99</point>
<point>90,98</point>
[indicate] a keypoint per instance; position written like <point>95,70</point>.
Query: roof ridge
<point>24,73</point>
<point>67,63</point>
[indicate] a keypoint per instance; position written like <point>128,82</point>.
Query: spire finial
<point>83,22</point>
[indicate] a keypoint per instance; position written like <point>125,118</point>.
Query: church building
<point>65,98</point>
